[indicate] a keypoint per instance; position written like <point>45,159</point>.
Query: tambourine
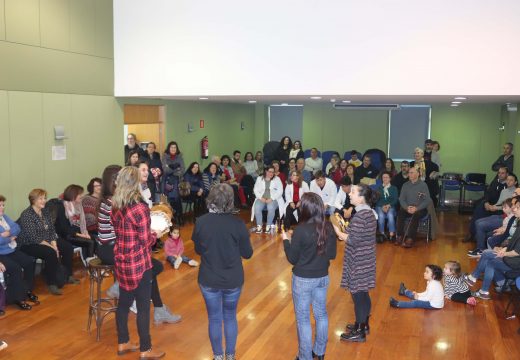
<point>161,223</point>
<point>337,219</point>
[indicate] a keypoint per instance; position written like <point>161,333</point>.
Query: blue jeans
<point>221,305</point>
<point>495,270</point>
<point>495,240</point>
<point>486,256</point>
<point>307,291</point>
<point>171,259</point>
<point>382,216</point>
<point>271,209</point>
<point>484,226</point>
<point>421,304</point>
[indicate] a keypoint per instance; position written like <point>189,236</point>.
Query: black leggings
<point>289,218</point>
<point>362,306</point>
<point>106,254</point>
<point>141,295</point>
<point>48,255</point>
<point>461,297</point>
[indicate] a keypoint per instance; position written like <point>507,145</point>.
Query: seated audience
<point>351,168</point>
<point>354,158</point>
<point>432,298</point>
<point>491,196</point>
<point>389,167</point>
<point>296,151</point>
<point>282,152</point>
<point>156,171</point>
<point>250,165</point>
<point>173,168</point>
<point>435,154</point>
<point>14,263</point>
<point>342,201</point>
<point>268,191</point>
<point>90,204</point>
<point>326,189</point>
<point>279,173</point>
<point>332,172</point>
<point>174,250</point>
<point>365,172</point>
<point>491,222</point>
<point>71,223</point>
<point>306,175</point>
<point>290,169</point>
<point>341,172</point>
<point>132,145</point>
<point>216,159</point>
<point>133,158</point>
<point>246,181</point>
<point>259,158</point>
<point>229,178</point>
<point>414,200</point>
<point>314,163</point>
<point>428,172</point>
<point>505,160</point>
<point>385,206</point>
<point>402,177</point>
<point>428,147</point>
<point>455,287</point>
<point>38,239</point>
<point>501,236</point>
<point>194,177</point>
<point>336,158</point>
<point>494,263</point>
<point>210,177</point>
<point>293,194</point>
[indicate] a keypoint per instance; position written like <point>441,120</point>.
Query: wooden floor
<point>56,329</point>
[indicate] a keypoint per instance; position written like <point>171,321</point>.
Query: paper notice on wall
<point>59,152</point>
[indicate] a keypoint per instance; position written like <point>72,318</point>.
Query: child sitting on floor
<point>174,247</point>
<point>432,298</point>
<point>455,288</point>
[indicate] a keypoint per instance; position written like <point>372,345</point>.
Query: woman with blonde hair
<point>133,261</point>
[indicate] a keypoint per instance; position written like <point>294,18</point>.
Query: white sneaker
<point>258,229</point>
<point>3,345</point>
<point>270,229</point>
<point>177,263</point>
<point>133,308</point>
<point>193,263</point>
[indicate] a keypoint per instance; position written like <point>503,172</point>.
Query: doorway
<point>147,122</point>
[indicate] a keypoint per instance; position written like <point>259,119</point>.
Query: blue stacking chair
<point>377,156</point>
<point>473,183</point>
<point>307,153</point>
<point>347,156</point>
<point>450,182</point>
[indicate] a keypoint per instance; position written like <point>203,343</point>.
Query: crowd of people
<point>112,222</point>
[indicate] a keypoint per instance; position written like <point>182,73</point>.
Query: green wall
<point>222,125</point>
<point>56,68</point>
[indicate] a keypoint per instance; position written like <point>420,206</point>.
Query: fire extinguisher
<point>204,148</point>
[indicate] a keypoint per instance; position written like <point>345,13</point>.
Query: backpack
<point>184,188</point>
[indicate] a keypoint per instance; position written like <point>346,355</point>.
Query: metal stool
<point>99,307</point>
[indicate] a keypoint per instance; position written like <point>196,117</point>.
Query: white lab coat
<point>328,193</point>
<point>276,188</point>
<point>289,192</point>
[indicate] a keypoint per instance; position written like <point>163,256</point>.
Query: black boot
<point>356,335</point>
<point>351,327</point>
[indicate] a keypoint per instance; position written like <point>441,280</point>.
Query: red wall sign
<point>201,123</point>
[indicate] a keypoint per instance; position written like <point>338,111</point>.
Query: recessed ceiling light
<point>460,98</point>
<point>284,104</point>
<point>252,101</point>
<point>454,105</point>
<point>332,100</point>
<point>346,101</point>
<point>203,98</point>
<point>315,97</point>
<point>456,102</point>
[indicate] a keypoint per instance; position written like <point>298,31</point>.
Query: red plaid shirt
<point>132,250</point>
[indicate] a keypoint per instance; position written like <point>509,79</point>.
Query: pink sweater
<point>173,247</point>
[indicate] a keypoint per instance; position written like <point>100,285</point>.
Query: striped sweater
<point>359,262</point>
<point>453,284</point>
<point>106,232</point>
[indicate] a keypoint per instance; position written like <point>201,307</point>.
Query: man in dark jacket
<point>133,145</point>
<point>506,160</point>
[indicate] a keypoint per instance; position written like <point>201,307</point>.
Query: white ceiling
<point>357,99</point>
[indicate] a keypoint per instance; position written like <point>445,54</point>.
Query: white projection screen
<point>305,47</point>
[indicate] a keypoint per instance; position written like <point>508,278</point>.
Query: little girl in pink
<point>174,247</point>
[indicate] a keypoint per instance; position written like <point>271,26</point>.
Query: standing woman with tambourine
<point>133,261</point>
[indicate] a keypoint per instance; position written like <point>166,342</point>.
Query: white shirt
<point>275,188</point>
<point>251,168</point>
<point>328,193</point>
<point>313,165</point>
<point>340,199</point>
<point>434,294</point>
